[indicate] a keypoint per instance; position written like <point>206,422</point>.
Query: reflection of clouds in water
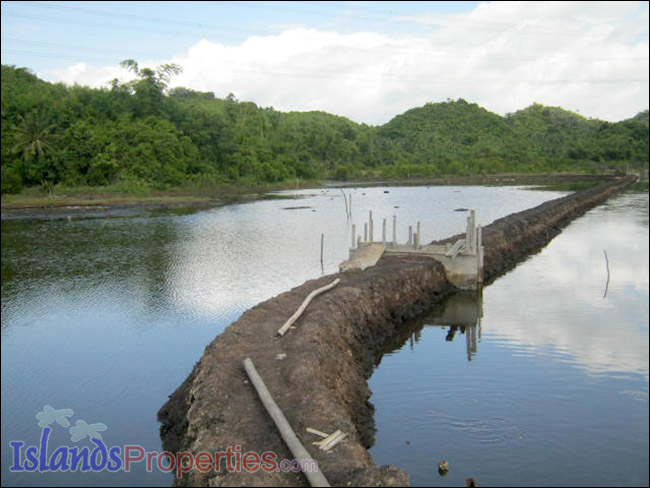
<point>560,294</point>
<point>234,257</point>
<point>237,256</point>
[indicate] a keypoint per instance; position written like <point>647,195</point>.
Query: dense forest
<point>140,134</point>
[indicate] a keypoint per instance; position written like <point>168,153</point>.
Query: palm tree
<point>151,85</point>
<point>30,139</point>
<point>158,79</point>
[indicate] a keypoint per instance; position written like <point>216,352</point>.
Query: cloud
<point>591,58</point>
<point>571,316</point>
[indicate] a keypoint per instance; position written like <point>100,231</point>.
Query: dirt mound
<point>317,372</point>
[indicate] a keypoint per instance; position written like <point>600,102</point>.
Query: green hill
<point>139,135</point>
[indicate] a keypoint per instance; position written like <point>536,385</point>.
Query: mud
<point>330,354</point>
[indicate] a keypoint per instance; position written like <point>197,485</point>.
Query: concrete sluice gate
<point>317,372</point>
<point>462,259</point>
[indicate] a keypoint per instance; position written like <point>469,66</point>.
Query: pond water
<point>107,317</point>
<point>542,380</point>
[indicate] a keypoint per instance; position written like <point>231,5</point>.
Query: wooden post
<point>370,228</point>
<point>316,478</point>
<point>354,235</point>
<point>410,241</point>
<point>417,237</point>
<point>479,251</point>
<point>383,233</point>
<point>322,238</point>
<point>365,232</point>
<point>394,230</point>
<point>472,216</point>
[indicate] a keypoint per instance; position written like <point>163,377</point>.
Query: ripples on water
<point>556,393</point>
<point>108,316</point>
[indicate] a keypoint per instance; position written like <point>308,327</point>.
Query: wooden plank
<point>456,248</point>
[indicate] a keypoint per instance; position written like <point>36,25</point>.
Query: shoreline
<point>321,382</point>
<point>100,205</point>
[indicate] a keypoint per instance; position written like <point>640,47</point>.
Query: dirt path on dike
<point>322,381</point>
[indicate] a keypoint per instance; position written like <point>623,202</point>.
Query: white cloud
<point>502,55</point>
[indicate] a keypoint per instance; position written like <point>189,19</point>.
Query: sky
<point>368,61</point>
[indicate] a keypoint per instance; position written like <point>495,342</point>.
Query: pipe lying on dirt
<point>316,478</point>
<point>322,383</point>
<point>282,330</point>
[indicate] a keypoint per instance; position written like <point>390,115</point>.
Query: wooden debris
<point>316,432</point>
<point>331,440</point>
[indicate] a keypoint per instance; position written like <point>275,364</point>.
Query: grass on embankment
<point>118,195</point>
<point>125,195</point>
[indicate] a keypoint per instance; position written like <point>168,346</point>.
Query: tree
<point>30,142</point>
<point>152,83</point>
<point>157,79</point>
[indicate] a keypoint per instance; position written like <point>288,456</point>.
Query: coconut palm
<point>30,136</point>
<point>151,85</point>
<point>30,139</point>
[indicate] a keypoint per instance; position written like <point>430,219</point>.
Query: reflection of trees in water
<point>132,256</point>
<point>156,266</point>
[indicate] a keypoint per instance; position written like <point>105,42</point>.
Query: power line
<point>104,13</point>
<point>56,56</point>
<point>120,15</point>
<point>463,55</point>
<point>251,71</point>
<point>466,24</point>
<point>87,23</point>
<point>299,71</point>
<point>54,45</point>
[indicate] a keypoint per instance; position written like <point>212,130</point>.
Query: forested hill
<point>142,135</point>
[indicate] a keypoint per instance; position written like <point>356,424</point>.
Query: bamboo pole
<point>322,238</point>
<point>282,330</point>
<point>286,432</point>
<point>479,252</point>
<point>345,200</point>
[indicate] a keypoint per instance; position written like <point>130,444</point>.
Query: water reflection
<point>456,314</point>
<point>460,312</point>
<point>559,392</point>
<point>124,307</point>
<point>573,320</point>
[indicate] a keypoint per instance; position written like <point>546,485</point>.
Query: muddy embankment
<point>330,354</point>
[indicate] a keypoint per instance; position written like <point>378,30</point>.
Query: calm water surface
<point>542,381</point>
<point>108,316</point>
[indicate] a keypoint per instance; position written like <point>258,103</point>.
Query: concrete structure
<point>460,312</point>
<point>463,259</point>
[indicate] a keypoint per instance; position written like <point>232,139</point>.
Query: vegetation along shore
<point>142,140</point>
